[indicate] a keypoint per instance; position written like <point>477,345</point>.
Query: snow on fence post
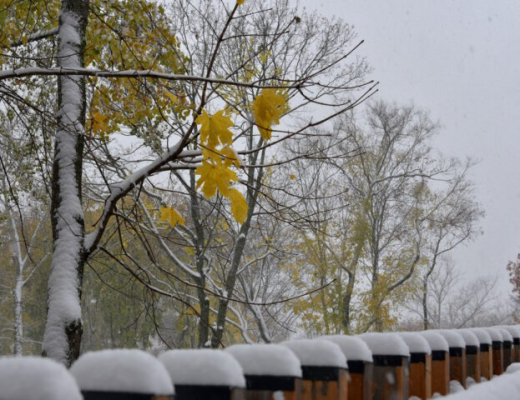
<point>515,333</point>
<point>440,362</point>
<point>122,374</point>
<point>507,341</point>
<point>497,350</point>
<point>486,354</point>
<point>457,347</point>
<point>472,355</point>
<point>324,369</point>
<point>268,369</point>
<point>204,374</point>
<point>32,378</point>
<point>391,359</point>
<point>360,365</point>
<point>420,377</point>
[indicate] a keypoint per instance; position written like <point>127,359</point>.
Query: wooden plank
<point>473,366</point>
<point>420,382</point>
<point>458,368</point>
<point>486,364</point>
<point>498,360</point>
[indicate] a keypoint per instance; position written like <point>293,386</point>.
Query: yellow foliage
<point>268,108</point>
<point>214,129</point>
<point>170,215</point>
<point>215,175</point>
<point>238,205</point>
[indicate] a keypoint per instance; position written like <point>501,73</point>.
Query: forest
<point>198,173</point>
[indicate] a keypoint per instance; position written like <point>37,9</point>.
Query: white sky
<point>460,59</point>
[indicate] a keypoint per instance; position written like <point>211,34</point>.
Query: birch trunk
<point>18,290</point>
<point>64,327</point>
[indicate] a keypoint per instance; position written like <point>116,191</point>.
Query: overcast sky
<point>460,59</point>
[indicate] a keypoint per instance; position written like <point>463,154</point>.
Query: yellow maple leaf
<point>293,177</point>
<point>170,215</point>
<point>214,175</point>
<point>172,97</point>
<point>231,157</point>
<point>240,2</point>
<point>238,205</point>
<point>268,108</point>
<point>214,129</point>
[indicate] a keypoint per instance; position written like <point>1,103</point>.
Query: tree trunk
<point>425,304</point>
<point>19,264</point>
<point>64,327</point>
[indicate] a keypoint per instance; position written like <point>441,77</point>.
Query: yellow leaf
<point>268,108</point>
<point>240,2</point>
<point>24,39</point>
<point>238,205</point>
<point>189,250</point>
<point>99,123</point>
<point>231,157</point>
<point>214,129</point>
<point>293,177</point>
<point>172,97</point>
<point>170,215</point>
<point>214,175</point>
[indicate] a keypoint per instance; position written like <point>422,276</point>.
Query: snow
<point>203,367</point>
<point>416,343</point>
<point>513,368</point>
<point>506,386</point>
<point>385,344</point>
<point>470,382</point>
<point>32,378</point>
<point>64,303</point>
<point>506,336</point>
<point>495,335</point>
<point>122,370</point>
<point>435,340</point>
<point>456,387</point>
<point>514,331</point>
<point>352,347</point>
<point>455,340</point>
<point>266,359</point>
<point>482,335</point>
<point>469,337</point>
<point>317,353</point>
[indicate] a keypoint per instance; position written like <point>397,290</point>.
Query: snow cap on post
<point>203,368</point>
<point>385,344</point>
<point>121,371</point>
<point>495,335</point>
<point>317,353</point>
<point>435,340</point>
<point>482,335</point>
<point>352,347</point>
<point>513,330</point>
<point>506,336</point>
<point>416,343</point>
<point>455,340</point>
<point>469,337</point>
<point>266,360</point>
<point>33,378</point>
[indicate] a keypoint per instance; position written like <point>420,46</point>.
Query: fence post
<point>486,354</point>
<point>497,350</point>
<point>440,362</point>
<point>472,356</point>
<point>420,378</point>
<point>122,373</point>
<point>204,374</point>
<point>515,333</point>
<point>507,341</point>
<point>324,369</point>
<point>32,378</point>
<point>360,365</point>
<point>391,359</point>
<point>457,347</point>
<point>268,368</point>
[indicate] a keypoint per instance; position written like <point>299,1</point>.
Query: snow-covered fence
<point>386,366</point>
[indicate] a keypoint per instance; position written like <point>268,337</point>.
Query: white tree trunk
<point>19,264</point>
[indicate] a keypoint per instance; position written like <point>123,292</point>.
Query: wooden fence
<point>389,366</point>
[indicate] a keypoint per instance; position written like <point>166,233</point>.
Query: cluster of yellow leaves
<point>268,108</point>
<point>216,140</point>
<point>170,215</point>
